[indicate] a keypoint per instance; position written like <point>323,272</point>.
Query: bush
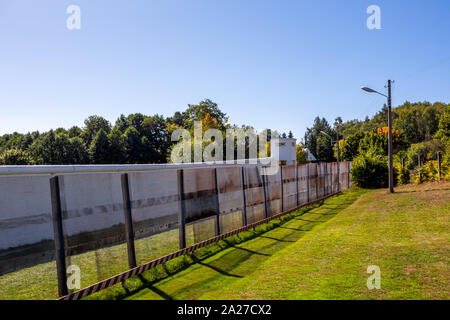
<point>403,174</point>
<point>15,157</point>
<point>371,171</point>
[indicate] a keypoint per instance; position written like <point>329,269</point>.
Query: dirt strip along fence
<point>115,225</point>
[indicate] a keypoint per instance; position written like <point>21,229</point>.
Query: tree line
<point>133,139</point>
<point>420,130</point>
<point>413,123</point>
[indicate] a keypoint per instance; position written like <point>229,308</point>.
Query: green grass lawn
<point>324,253</point>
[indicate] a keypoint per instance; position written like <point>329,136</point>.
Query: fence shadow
<point>239,261</point>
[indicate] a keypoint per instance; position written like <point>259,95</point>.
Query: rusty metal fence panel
<point>93,224</point>
<point>200,203</point>
<point>313,181</point>
<point>231,198</point>
<point>273,189</point>
<point>154,210</point>
<point>289,187</point>
<point>254,194</point>
<point>303,184</point>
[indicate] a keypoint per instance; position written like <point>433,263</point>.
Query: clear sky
<point>276,64</point>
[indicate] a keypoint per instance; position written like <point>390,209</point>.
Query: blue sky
<point>276,64</point>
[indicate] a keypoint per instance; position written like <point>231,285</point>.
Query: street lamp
<point>391,170</point>
<point>337,143</point>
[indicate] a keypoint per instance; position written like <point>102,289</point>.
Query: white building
<point>287,151</point>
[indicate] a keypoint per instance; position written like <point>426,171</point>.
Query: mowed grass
<point>324,254</point>
<point>238,262</point>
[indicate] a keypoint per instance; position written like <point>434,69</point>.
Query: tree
<point>92,125</point>
<point>74,132</point>
<point>78,153</point>
<point>99,148</point>
<point>444,126</point>
<point>117,146</point>
<point>378,141</point>
<point>43,149</point>
<point>15,157</point>
<point>155,130</point>
<point>199,111</point>
<point>350,146</point>
<point>317,143</point>
<point>301,155</point>
<point>133,145</point>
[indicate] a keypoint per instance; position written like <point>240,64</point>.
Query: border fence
<point>108,222</point>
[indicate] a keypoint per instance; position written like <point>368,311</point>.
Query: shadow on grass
<point>234,258</point>
<point>245,249</point>
<point>148,285</point>
<point>276,239</point>
<point>426,190</point>
<point>225,273</point>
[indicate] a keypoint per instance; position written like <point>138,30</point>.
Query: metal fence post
<point>307,183</point>
<point>420,173</point>
<point>439,165</point>
<point>181,210</point>
<point>317,181</point>
<point>244,208</point>
<point>59,237</point>
<point>266,213</point>
<point>282,188</point>
<point>296,184</point>
<point>129,232</point>
<point>349,173</point>
<point>216,199</point>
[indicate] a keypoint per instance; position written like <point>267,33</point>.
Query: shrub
<point>403,174</point>
<point>15,157</point>
<point>371,171</point>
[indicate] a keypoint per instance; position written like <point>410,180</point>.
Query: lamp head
<point>367,89</point>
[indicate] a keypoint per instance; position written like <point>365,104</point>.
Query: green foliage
<point>350,147</point>
<point>370,170</point>
<point>443,133</point>
<point>77,151</point>
<point>200,111</point>
<point>417,121</point>
<point>375,141</point>
<point>117,146</point>
<point>403,174</point>
<point>135,138</point>
<point>427,151</point>
<point>93,125</point>
<point>302,155</point>
<point>318,143</point>
<point>99,148</point>
<point>15,157</point>
<point>133,143</point>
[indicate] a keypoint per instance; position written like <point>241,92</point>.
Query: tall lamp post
<point>391,170</point>
<point>337,143</point>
